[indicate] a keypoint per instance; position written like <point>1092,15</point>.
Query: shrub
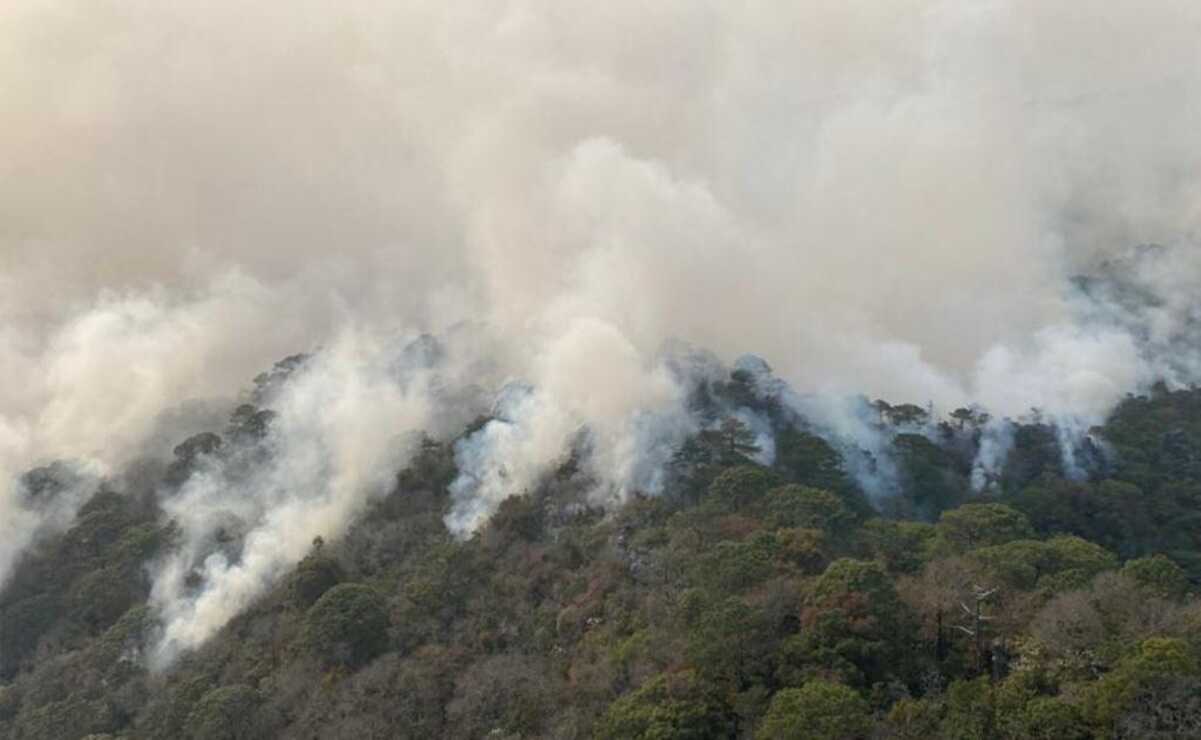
<point>673,705</point>
<point>347,626</point>
<point>315,575</point>
<point>819,710</point>
<point>226,713</point>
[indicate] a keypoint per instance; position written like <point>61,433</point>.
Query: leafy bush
<point>348,625</point>
<point>812,508</point>
<point>679,706</point>
<point>315,575</point>
<point>819,710</point>
<point>226,713</point>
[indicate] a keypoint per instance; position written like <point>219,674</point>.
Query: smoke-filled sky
<point>878,197</point>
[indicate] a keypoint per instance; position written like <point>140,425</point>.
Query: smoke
<point>343,425</point>
<point>996,440</point>
<point>884,199</point>
<point>43,500</point>
<point>111,383</point>
<point>590,387</point>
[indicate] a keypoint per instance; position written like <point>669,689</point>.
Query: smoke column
<point>891,199</point>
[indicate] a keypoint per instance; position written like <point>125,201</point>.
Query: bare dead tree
<point>976,625</point>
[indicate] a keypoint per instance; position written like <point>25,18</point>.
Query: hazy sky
<point>885,197</point>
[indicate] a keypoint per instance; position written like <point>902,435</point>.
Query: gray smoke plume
<point>343,423</point>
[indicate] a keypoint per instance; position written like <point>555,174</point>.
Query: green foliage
<point>81,582</point>
<point>315,575</point>
<point>100,598</point>
<point>901,546</point>
<point>1151,502</point>
<point>811,508</point>
<point>1114,514</point>
<point>347,626</point>
<point>932,478</point>
<point>1162,655</point>
<point>853,624</point>
<point>22,625</point>
<point>226,713</point>
<point>1073,554</point>
<point>970,712</point>
<point>731,567</point>
<point>736,439</point>
<point>808,550</point>
<point>1090,630</point>
<point>1058,564</point>
<point>190,455</point>
<point>501,695</point>
<point>1159,574</point>
<point>739,488</point>
<point>855,576</point>
<point>810,461</point>
<point>10,702</point>
<point>1155,689</point>
<point>980,525</point>
<point>705,455</point>
<point>1155,437</point>
<point>72,717</point>
<point>819,710</point>
<point>903,414</point>
<point>1035,453</point>
<point>970,417</point>
<point>745,601</point>
<point>519,517</point>
<point>1047,718</point>
<point>730,644</point>
<point>674,706</point>
<point>914,719</point>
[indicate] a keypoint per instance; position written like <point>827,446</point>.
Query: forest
<point>746,601</point>
<point>376,370</point>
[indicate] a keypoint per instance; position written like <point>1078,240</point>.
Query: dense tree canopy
<point>756,597</point>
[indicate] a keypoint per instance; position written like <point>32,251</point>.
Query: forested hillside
<point>514,477</point>
<point>745,601</point>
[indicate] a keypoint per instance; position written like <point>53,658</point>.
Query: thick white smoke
<point>629,419</point>
<point>97,388</point>
<point>345,423</point>
<point>879,198</point>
